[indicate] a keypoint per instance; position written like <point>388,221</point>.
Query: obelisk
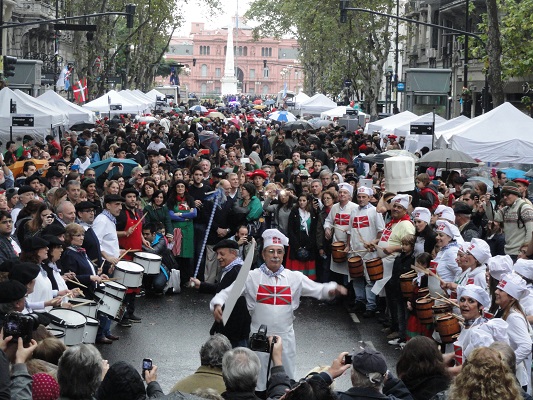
<point>229,81</point>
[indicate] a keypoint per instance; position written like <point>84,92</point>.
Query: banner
<point>81,92</point>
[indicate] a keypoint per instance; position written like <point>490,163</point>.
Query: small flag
<point>81,91</point>
<point>61,80</point>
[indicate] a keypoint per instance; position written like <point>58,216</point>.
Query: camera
<point>259,340</point>
<point>249,238</point>
<point>20,325</point>
<point>347,359</point>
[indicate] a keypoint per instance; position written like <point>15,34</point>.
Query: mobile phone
<point>245,160</point>
<point>147,365</point>
<point>367,183</point>
<point>347,359</point>
<point>204,152</point>
<point>451,190</point>
<point>116,164</point>
<point>249,238</point>
<point>493,172</point>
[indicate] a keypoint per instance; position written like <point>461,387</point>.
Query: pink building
<point>203,54</point>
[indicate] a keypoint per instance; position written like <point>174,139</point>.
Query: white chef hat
<point>448,214</point>
<point>422,214</point>
<point>480,250</point>
<point>524,268</point>
<point>514,286</point>
<point>273,237</point>
<point>463,247</point>
<point>500,265</point>
<point>365,190</point>
<point>346,186</point>
<point>497,328</point>
<point>476,339</point>
<point>402,199</point>
<point>476,292</point>
<point>447,227</point>
<point>440,208</point>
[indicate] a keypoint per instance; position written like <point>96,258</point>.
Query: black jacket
<point>298,238</point>
<point>394,389</point>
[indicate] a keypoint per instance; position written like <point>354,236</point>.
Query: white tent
<point>501,135</point>
<point>405,129</point>
<point>41,117</point>
<point>416,142</point>
<point>101,104</point>
<point>129,95</point>
<point>142,95</point>
<point>75,113</point>
<point>59,118</point>
<point>440,142</point>
<point>317,104</point>
<point>155,93</point>
<point>300,98</point>
<point>386,125</point>
<point>338,112</point>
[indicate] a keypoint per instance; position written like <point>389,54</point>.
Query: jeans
<point>104,326</point>
<point>397,308</point>
<point>364,294</point>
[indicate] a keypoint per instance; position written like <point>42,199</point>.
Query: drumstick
<point>82,304</point>
<point>427,272</point>
<point>458,317</point>
<point>140,221</point>
<point>447,300</point>
<point>109,279</point>
<point>77,283</point>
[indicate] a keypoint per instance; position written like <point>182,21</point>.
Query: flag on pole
<point>60,84</point>
<point>68,75</point>
<point>81,91</point>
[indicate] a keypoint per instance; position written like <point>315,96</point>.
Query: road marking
<point>354,318</point>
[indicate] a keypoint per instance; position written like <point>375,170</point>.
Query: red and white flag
<point>81,93</point>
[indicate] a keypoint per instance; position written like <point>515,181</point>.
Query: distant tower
<point>229,81</point>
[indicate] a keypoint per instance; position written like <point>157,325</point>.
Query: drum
<point>424,310</point>
<point>91,328</point>
<point>128,273</point>
<point>87,307</point>
<point>458,350</point>
<point>115,289</point>
<point>58,334</point>
<point>356,267</point>
<point>440,309</point>
<point>374,267</point>
<point>422,292</point>
<point>72,322</point>
<point>448,326</point>
<point>406,284</point>
<point>110,305</point>
<point>150,262</point>
<point>337,252</point>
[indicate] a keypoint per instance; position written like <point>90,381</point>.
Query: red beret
<point>392,136</point>
<point>363,147</point>
<point>259,172</point>
<point>342,160</point>
<point>522,181</point>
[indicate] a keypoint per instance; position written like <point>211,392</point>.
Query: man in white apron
<point>272,294</point>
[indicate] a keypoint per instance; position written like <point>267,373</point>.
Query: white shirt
<point>339,220</point>
<point>365,224</point>
<point>106,231</point>
<point>156,146</point>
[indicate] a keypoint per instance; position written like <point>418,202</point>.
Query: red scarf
<point>395,221</point>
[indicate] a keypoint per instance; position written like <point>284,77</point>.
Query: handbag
<point>302,254</point>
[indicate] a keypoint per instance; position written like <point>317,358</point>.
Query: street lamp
<point>388,89</point>
<point>128,50</point>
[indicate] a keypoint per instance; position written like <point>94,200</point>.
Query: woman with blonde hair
<point>485,376</point>
<point>59,196</point>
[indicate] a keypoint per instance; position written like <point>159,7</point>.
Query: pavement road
<point>174,327</point>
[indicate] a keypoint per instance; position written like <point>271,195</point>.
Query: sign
<point>115,107</point>
<point>400,86</point>
<point>422,128</point>
<point>347,83</point>
<point>22,120</point>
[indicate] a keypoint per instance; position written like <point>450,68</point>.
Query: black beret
<point>226,244</point>
<point>84,205</point>
<point>110,198</point>
<point>460,207</point>
<point>218,173</point>
<point>129,191</point>
<point>24,272</point>
<point>33,243</point>
<point>119,150</point>
<point>53,240</point>
<point>32,178</point>
<point>87,182</point>
<point>351,178</point>
<point>54,229</point>
<point>25,189</point>
<point>54,173</point>
<point>12,291</point>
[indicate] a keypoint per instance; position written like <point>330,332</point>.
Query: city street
<point>174,327</point>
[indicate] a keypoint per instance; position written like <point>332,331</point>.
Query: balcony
<point>36,10</point>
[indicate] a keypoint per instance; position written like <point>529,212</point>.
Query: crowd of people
<point>320,222</point>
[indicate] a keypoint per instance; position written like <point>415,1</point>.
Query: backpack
<point>436,200</point>
<point>359,166</point>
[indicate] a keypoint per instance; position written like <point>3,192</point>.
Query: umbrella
<point>282,116</point>
<point>198,108</point>
<point>234,121</point>
<point>258,101</point>
<point>379,158</point>
<point>319,123</point>
<point>80,126</point>
<point>486,181</point>
<point>234,103</point>
<point>17,167</point>
<point>255,112</point>
<point>100,166</point>
<point>270,102</point>
<point>513,173</point>
<point>220,105</point>
<point>299,124</point>
<point>260,107</point>
<point>209,140</point>
<point>216,114</point>
<point>448,159</point>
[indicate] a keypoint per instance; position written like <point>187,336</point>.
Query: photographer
<point>19,386</point>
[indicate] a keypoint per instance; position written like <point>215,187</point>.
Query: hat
<point>24,272</point>
<point>447,228</point>
<point>392,136</point>
<point>476,292</point>
<point>350,178</point>
<point>25,189</point>
<point>226,244</point>
<point>273,237</point>
<point>499,266</point>
<point>218,173</point>
<point>33,243</point>
<point>129,191</point>
<point>524,268</point>
<point>460,207</point>
<point>84,205</point>
<point>446,214</point>
<point>44,387</point>
<point>110,198</point>
<point>11,192</point>
<point>54,229</point>
<point>362,148</point>
<point>365,190</point>
<point>259,172</point>
<point>480,250</point>
<point>346,186</point>
<point>440,208</point>
<point>463,247</point>
<point>510,188</point>
<point>422,214</point>
<point>522,181</point>
<point>119,150</point>
<point>342,160</point>
<point>11,291</point>
<point>514,285</point>
<point>87,182</point>
<point>53,240</point>
<point>32,178</point>
<point>401,199</point>
<point>369,361</point>
<point>27,138</point>
<point>53,173</point>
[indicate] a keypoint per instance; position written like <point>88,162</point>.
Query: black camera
<point>259,340</point>
<point>20,325</point>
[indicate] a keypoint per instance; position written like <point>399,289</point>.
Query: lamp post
<point>388,89</point>
<point>128,50</point>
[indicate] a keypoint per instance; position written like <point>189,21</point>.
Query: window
<point>204,70</point>
<point>266,51</point>
<point>252,74</point>
<point>218,72</point>
<point>208,50</point>
<point>203,88</point>
<point>225,49</point>
<point>265,72</point>
<point>265,89</point>
<point>205,50</point>
<point>245,51</point>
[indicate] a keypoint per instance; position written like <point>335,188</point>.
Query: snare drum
<point>128,273</point>
<point>91,329</point>
<point>115,289</point>
<point>150,262</point>
<point>58,334</point>
<point>73,323</point>
<point>87,308</point>
<point>110,305</point>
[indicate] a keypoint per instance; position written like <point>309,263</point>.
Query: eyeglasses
<point>79,235</point>
<point>275,251</point>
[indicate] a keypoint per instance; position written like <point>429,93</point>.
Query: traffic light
<point>9,66</point>
<point>194,62</point>
<point>344,13</point>
<point>130,10</point>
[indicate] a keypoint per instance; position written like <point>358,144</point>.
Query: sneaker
<point>393,335</point>
<point>142,293</point>
<point>134,318</point>
<point>124,322</point>
<point>396,342</point>
<point>369,314</point>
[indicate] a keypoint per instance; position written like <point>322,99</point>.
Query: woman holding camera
<point>35,224</point>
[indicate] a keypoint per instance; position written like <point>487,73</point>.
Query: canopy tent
<point>43,120</point>
<point>300,98</point>
<point>386,125</point>
<point>501,135</point>
<point>317,104</point>
<point>405,129</point>
<point>145,97</point>
<point>75,113</point>
<point>129,95</point>
<point>440,143</point>
<point>155,93</point>
<point>416,142</point>
<point>59,118</point>
<point>102,104</point>
<point>336,112</point>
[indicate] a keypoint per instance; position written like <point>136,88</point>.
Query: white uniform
<point>338,220</point>
<point>271,301</point>
<point>42,292</point>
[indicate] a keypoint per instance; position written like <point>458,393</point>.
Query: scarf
<point>449,245</point>
<point>395,221</point>
<point>110,216</point>
<point>304,217</point>
<point>77,249</point>
<point>269,273</point>
<point>229,267</point>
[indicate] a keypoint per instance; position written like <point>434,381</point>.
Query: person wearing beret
<point>25,273</point>
<point>523,185</point>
